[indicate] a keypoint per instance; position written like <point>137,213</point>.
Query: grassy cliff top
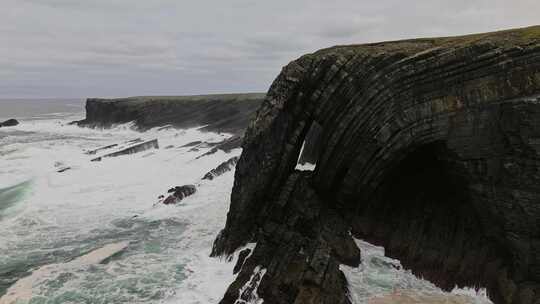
<point>513,37</point>
<point>187,98</point>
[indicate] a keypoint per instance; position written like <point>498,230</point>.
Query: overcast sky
<point>106,48</point>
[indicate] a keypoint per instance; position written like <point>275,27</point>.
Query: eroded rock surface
<point>428,147</point>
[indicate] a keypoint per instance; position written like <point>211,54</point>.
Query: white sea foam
<point>93,203</point>
<point>382,280</point>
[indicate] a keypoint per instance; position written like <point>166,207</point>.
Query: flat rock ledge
<point>428,147</point>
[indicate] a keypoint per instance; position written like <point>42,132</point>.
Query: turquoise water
<point>10,196</point>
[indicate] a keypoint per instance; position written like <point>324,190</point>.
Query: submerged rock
<point>427,147</point>
<point>9,123</point>
<point>224,167</point>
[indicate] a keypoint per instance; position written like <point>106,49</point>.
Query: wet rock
<point>191,144</point>
<point>151,144</point>
<point>179,193</point>
<point>427,147</point>
<point>224,167</point>
<point>241,260</point>
<point>9,123</point>
<point>63,169</point>
<point>296,246</point>
<point>226,146</point>
<point>92,152</point>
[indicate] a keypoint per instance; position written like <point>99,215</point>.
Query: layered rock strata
<point>223,168</point>
<point>221,113</point>
<point>136,148</point>
<point>428,147</point>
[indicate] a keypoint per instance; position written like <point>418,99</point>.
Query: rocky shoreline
<point>228,113</point>
<point>428,147</point>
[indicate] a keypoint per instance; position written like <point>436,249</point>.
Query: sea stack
<point>428,147</point>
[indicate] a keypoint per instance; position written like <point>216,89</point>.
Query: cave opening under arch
<point>424,213</point>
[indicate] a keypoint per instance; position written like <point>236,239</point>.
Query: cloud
<point>56,48</point>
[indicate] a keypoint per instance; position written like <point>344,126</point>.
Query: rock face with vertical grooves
<point>224,113</point>
<point>428,147</point>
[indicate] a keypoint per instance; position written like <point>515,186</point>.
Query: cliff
<point>428,147</point>
<point>224,113</point>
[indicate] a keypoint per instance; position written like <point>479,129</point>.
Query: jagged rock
<point>224,167</point>
<point>9,123</point>
<point>179,193</point>
<point>151,144</point>
<point>226,145</point>
<point>92,152</point>
<point>297,245</point>
<point>428,147</point>
<point>241,260</point>
<point>224,113</point>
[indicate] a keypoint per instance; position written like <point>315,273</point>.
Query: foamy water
<point>382,280</point>
<point>55,218</point>
<point>92,234</point>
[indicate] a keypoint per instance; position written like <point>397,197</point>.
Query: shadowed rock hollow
<point>428,147</point>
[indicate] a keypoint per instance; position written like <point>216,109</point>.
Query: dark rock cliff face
<point>429,147</point>
<point>224,113</point>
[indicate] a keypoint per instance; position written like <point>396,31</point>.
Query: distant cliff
<point>225,112</point>
<point>428,147</point>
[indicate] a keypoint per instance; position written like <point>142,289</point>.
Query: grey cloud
<point>55,48</point>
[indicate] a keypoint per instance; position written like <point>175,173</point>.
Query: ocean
<point>96,232</point>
